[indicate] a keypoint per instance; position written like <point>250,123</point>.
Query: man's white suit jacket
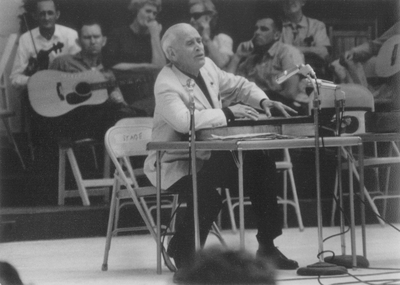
<point>172,114</point>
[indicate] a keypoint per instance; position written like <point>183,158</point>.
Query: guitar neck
<point>114,83</point>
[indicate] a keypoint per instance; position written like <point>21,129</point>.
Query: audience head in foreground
<point>216,265</point>
<point>9,274</point>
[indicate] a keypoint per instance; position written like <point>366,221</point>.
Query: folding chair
<point>359,100</point>
<point>122,143</point>
<point>126,140</point>
<point>147,202</point>
<point>376,162</point>
<point>86,187</point>
<point>5,109</point>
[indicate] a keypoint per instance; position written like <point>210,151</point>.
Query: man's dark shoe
<point>177,252</point>
<point>278,258</point>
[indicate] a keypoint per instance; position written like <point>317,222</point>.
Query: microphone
<point>302,69</point>
<point>190,89</point>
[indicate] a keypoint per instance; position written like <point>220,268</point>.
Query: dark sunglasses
<point>197,15</point>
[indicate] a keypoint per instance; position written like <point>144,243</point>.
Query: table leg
<point>340,186</point>
<point>241,197</point>
<point>352,218</point>
<point>158,198</point>
<point>361,181</point>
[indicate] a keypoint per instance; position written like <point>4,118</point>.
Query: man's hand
<point>268,105</point>
<point>205,29</point>
<point>349,55</point>
<point>116,97</point>
<point>202,25</point>
<point>244,111</point>
<point>245,49</point>
<point>154,28</point>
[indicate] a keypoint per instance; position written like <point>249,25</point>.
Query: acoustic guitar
<point>54,93</point>
<point>388,59</point>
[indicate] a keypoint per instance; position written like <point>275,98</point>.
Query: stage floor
<point>133,258</point>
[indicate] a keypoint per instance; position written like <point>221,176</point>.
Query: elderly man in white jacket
<point>215,94</point>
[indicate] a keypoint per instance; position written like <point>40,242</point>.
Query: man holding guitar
<point>387,66</point>
<point>91,120</point>
<point>49,38</point>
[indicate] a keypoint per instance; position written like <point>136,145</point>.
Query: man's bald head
<point>173,35</point>
<point>183,46</point>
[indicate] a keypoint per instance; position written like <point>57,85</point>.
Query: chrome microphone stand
<point>320,268</point>
<point>192,150</point>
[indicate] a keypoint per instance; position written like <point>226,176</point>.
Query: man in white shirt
<point>42,38</point>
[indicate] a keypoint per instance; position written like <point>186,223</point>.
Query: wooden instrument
<point>388,59</point>
<point>293,126</point>
<point>54,93</point>
<point>41,62</point>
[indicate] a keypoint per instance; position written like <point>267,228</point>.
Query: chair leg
<point>368,197</point>
<point>216,231</point>
<point>96,164</point>
<point>296,199</point>
<point>116,218</point>
<point>61,176</point>
<point>335,195</point>
<point>110,225</point>
<point>147,211</point>
<point>219,218</point>
<point>174,208</point>
<point>285,223</point>
<point>386,190</point>
<point>106,173</point>
<point>230,210</point>
<point>11,138</point>
<point>78,177</point>
<point>26,123</point>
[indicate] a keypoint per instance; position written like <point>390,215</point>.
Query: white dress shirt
<point>26,50</point>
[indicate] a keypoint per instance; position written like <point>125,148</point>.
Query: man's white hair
<point>171,35</point>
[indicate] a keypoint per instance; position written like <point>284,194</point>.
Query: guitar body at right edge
<point>54,93</point>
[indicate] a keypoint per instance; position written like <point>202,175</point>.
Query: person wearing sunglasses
<point>218,46</point>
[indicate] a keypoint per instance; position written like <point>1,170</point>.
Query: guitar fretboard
<point>114,83</point>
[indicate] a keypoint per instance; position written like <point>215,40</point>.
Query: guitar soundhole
<point>83,89</point>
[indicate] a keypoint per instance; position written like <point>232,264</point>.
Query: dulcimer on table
<point>293,126</point>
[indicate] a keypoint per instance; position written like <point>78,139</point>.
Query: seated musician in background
<point>214,92</point>
<point>264,57</point>
<point>90,121</point>
<point>204,17</point>
<point>134,52</point>
<point>387,67</point>
<point>307,34</point>
<point>26,63</point>
<point>42,38</point>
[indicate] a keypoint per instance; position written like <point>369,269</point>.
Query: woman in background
<point>134,53</point>
<point>218,46</point>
